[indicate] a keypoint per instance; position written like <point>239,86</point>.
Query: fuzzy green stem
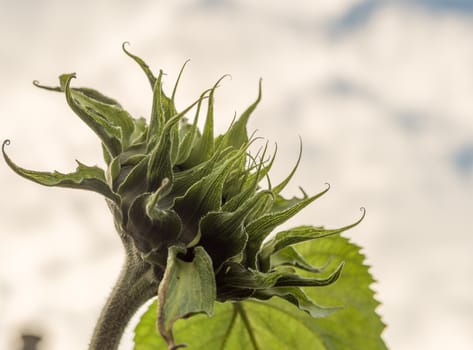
<point>133,288</point>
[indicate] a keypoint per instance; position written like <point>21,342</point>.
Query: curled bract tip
<point>328,185</point>
<point>124,48</point>
<point>5,143</point>
<point>51,88</point>
<point>363,214</point>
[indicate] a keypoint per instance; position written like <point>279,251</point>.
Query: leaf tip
<point>6,142</point>
<point>124,45</point>
<point>219,81</point>
<point>363,214</point>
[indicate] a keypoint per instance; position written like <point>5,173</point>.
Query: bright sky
<point>381,93</point>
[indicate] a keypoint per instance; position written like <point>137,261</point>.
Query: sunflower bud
<point>191,203</point>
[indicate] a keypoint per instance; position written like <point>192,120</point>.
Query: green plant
<point>195,223</point>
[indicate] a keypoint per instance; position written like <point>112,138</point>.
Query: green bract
<point>189,205</point>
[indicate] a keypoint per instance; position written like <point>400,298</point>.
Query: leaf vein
<point>246,322</point>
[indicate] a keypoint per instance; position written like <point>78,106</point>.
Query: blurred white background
<point>381,93</point>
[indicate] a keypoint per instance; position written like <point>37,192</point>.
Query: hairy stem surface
<point>133,288</point>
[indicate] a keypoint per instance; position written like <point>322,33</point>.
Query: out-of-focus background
<point>381,93</point>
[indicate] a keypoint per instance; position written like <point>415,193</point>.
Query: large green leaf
<point>356,326</point>
<point>239,326</point>
<point>278,324</point>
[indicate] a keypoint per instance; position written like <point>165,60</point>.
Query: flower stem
<point>133,288</point>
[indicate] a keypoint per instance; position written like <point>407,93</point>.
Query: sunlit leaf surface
<point>277,324</point>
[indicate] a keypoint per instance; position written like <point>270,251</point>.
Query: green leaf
<point>250,325</point>
<point>113,171</point>
<point>356,326</point>
<point>296,235</point>
<point>204,196</point>
<point>98,96</point>
<point>154,228</point>
<point>174,90</point>
<point>187,288</point>
<point>112,113</point>
<point>160,166</point>
<point>108,133</point>
<point>284,183</point>
<point>263,168</point>
<point>141,63</point>
<point>157,119</point>
<point>133,185</point>
<point>102,114</point>
<point>188,140</point>
<point>296,296</point>
<point>204,147</point>
<point>237,276</point>
<point>260,228</point>
<point>183,180</point>
<point>296,280</point>
<point>223,234</point>
<point>280,203</point>
<point>277,324</point>
<point>291,257</point>
<point>160,161</point>
<point>237,135</point>
<point>85,177</point>
<point>243,193</point>
<point>93,94</point>
<point>140,130</point>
